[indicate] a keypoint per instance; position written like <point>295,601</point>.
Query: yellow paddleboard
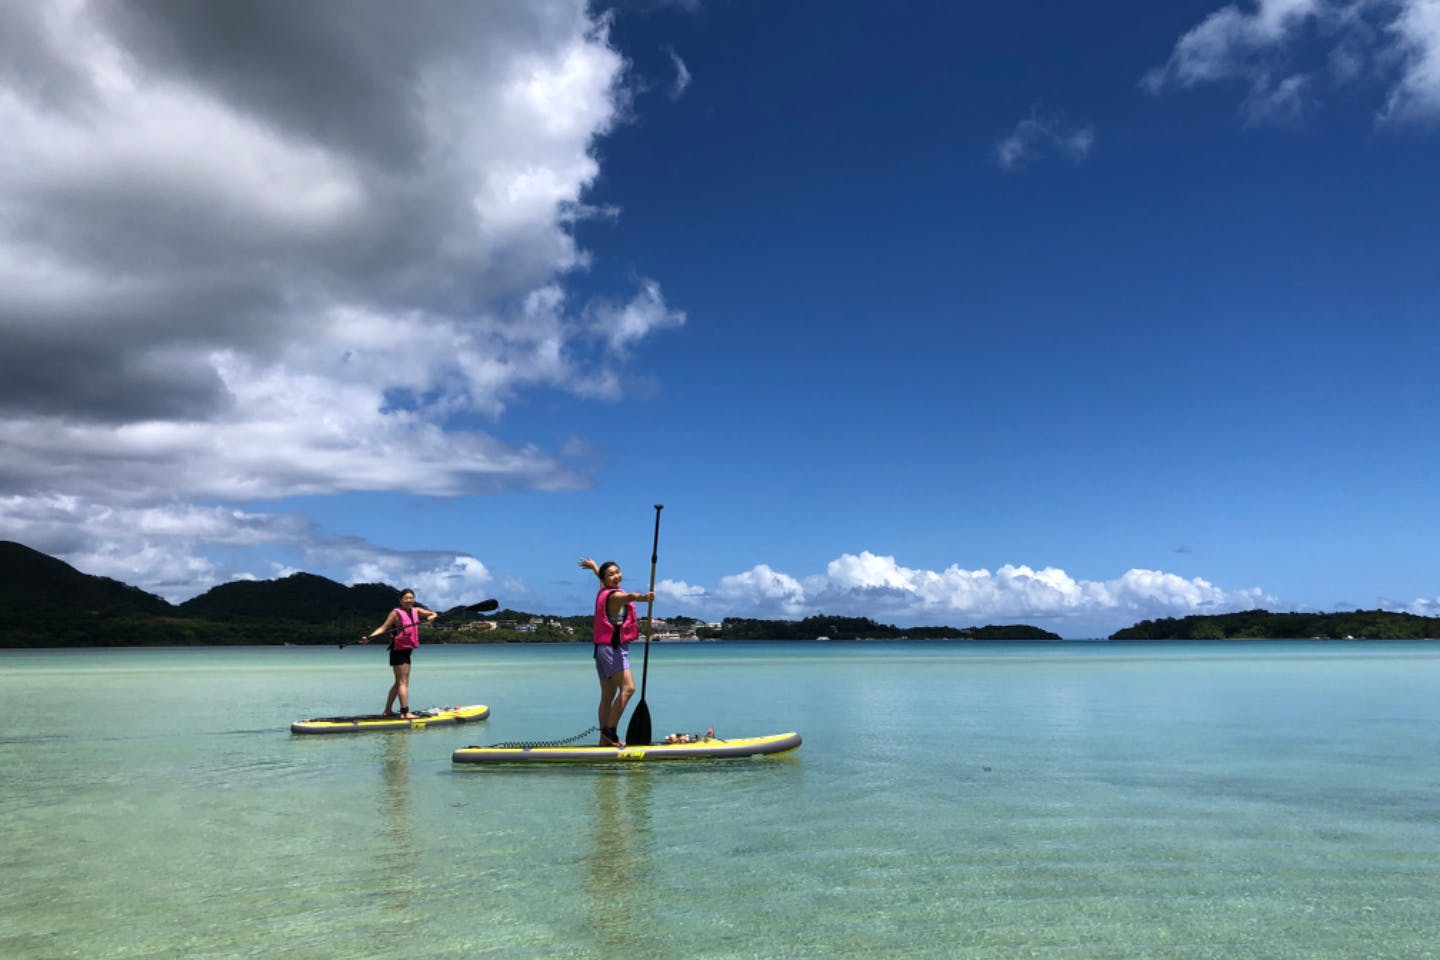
<point>711,749</point>
<point>432,717</point>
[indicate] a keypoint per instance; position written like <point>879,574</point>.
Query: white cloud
<point>1228,43</point>
<point>678,593</point>
<point>1416,33</point>
<point>160,548</point>
<point>623,324</point>
<point>164,549</point>
<point>228,273</point>
<point>439,582</point>
<point>867,584</point>
<point>309,257</point>
<point>1424,607</point>
<point>1288,53</point>
<point>1044,134</point>
<point>681,83</point>
<point>763,590</point>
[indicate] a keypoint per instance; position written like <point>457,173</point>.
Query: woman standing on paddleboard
<point>615,625</point>
<point>404,626</point>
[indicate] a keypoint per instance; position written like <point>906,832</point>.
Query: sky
<point>1062,314</point>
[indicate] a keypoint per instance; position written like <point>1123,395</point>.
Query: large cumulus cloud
<point>247,250</point>
<point>235,235</point>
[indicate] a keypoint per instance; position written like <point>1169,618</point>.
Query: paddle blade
<point>483,606</point>
<point>638,733</point>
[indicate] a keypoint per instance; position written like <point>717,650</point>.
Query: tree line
<point>1264,625</point>
<point>863,628</point>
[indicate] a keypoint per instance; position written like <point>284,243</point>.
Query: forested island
<point>55,605</point>
<point>1264,625</point>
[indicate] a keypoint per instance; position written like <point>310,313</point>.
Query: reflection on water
<point>619,883</point>
<point>397,854</point>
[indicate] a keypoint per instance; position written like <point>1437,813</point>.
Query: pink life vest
<point>407,635</point>
<point>604,630</point>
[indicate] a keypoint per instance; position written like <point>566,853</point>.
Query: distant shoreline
<point>1064,641</point>
<point>67,608</point>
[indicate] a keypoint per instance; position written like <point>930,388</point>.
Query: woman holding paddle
<point>404,626</point>
<point>615,626</point>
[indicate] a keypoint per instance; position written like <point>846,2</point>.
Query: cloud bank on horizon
<point>879,588</point>
<point>247,251</point>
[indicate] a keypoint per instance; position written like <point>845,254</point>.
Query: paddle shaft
<point>638,732</point>
<point>650,607</point>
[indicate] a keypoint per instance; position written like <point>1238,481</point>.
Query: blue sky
<point>1061,314</point>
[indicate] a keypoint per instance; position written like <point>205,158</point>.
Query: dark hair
<point>600,571</point>
<point>403,592</point>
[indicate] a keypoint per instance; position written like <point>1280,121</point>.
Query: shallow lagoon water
<point>1056,800</point>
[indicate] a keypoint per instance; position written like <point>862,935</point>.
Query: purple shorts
<point>610,660</point>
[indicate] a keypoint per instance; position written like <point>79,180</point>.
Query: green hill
<point>63,607</point>
<point>66,608</point>
<point>44,586</point>
<point>302,597</point>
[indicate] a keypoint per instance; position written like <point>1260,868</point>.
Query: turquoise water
<point>1074,800</point>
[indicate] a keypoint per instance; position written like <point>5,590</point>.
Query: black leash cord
<point>532,744</point>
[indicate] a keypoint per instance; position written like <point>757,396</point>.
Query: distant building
<point>664,631</point>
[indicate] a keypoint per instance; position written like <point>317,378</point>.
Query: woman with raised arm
<point>615,625</point>
<point>404,626</point>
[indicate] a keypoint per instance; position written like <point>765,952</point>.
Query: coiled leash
<point>533,744</point>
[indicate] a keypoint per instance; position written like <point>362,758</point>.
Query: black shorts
<point>398,657</point>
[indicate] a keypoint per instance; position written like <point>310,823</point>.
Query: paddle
<point>637,734</point>
<point>483,606</point>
